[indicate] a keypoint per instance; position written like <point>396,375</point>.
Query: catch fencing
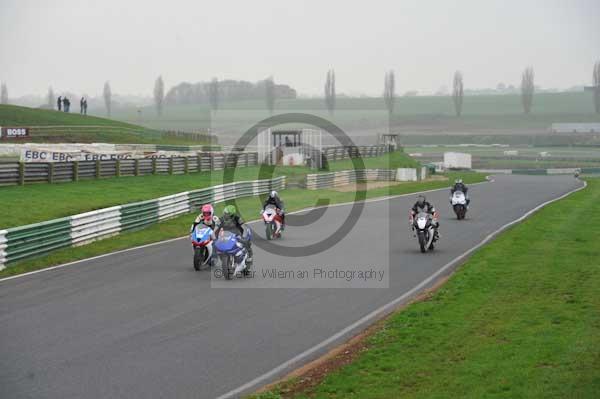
<point>345,177</point>
<point>54,172</point>
<point>40,238</point>
<point>365,151</point>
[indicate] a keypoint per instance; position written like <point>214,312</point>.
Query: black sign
<point>14,132</point>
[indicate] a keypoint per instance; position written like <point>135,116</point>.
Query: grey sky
<point>76,44</point>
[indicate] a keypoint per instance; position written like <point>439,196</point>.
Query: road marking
<point>301,358</point>
<point>47,269</point>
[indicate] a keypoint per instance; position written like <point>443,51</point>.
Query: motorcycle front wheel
<point>270,231</point>
<point>226,266</point>
<point>422,241</point>
<point>198,257</point>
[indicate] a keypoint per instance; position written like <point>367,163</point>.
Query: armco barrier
<point>551,171</point>
<point>344,177</point>
<point>36,172</point>
<point>39,238</point>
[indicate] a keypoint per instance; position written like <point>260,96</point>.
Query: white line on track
<point>377,313</point>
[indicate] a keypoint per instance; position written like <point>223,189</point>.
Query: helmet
<point>230,210</point>
<point>207,212</point>
<point>273,194</point>
<point>421,199</point>
<point>458,181</point>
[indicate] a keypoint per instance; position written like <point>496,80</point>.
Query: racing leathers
<point>235,224</point>
<point>278,203</point>
<point>426,207</point>
<point>460,187</point>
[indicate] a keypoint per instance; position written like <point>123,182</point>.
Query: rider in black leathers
<point>273,199</point>
<point>460,186</point>
<point>423,206</point>
<point>231,221</point>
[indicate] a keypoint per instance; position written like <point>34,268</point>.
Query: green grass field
<point>482,113</point>
<point>484,157</point>
<point>53,126</point>
<point>50,201</point>
<point>294,199</point>
<point>521,319</point>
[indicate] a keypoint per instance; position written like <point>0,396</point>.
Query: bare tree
<point>50,98</point>
<point>527,89</point>
<point>107,97</point>
<point>596,81</point>
<point>159,95</point>
<point>330,91</point>
<point>270,94</point>
<point>3,94</point>
<point>389,95</point>
<point>213,94</point>
<point>458,92</point>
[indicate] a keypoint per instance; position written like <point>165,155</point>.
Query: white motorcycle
<point>423,225</point>
<point>459,204</point>
<point>273,222</point>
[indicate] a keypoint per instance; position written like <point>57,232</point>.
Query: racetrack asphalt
<point>144,324</point>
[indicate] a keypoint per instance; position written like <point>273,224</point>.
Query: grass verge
<point>51,201</point>
<point>294,199</point>
<point>50,126</point>
<point>521,319</point>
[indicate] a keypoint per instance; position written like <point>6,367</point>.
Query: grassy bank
<point>50,201</point>
<point>521,319</point>
<point>294,199</point>
<point>49,126</point>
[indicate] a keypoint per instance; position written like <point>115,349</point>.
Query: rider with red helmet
<point>206,217</point>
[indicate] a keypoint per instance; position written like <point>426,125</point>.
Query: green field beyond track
<point>61,127</point>
<point>40,202</point>
<point>481,113</point>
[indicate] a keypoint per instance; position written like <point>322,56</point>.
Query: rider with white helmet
<point>460,186</point>
<point>273,199</point>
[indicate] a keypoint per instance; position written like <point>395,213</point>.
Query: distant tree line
<point>596,82</point>
<point>159,95</point>
<point>227,90</point>
<point>3,94</point>
<point>330,91</point>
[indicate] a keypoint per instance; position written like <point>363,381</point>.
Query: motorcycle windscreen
<point>226,242</point>
<point>202,233</point>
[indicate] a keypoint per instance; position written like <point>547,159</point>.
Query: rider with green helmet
<point>231,221</point>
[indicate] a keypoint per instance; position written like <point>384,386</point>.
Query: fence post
<point>98,167</point>
<point>153,166</point>
<point>75,170</point>
<point>186,165</point>
<point>199,168</point>
<point>118,168</point>
<point>137,167</point>
<point>50,172</point>
<point>21,173</point>
<point>171,165</point>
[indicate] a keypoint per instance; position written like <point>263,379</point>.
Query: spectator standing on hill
<point>85,106</point>
<point>66,104</point>
<point>81,105</point>
<point>59,102</point>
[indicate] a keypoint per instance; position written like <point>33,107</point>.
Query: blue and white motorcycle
<point>232,253</point>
